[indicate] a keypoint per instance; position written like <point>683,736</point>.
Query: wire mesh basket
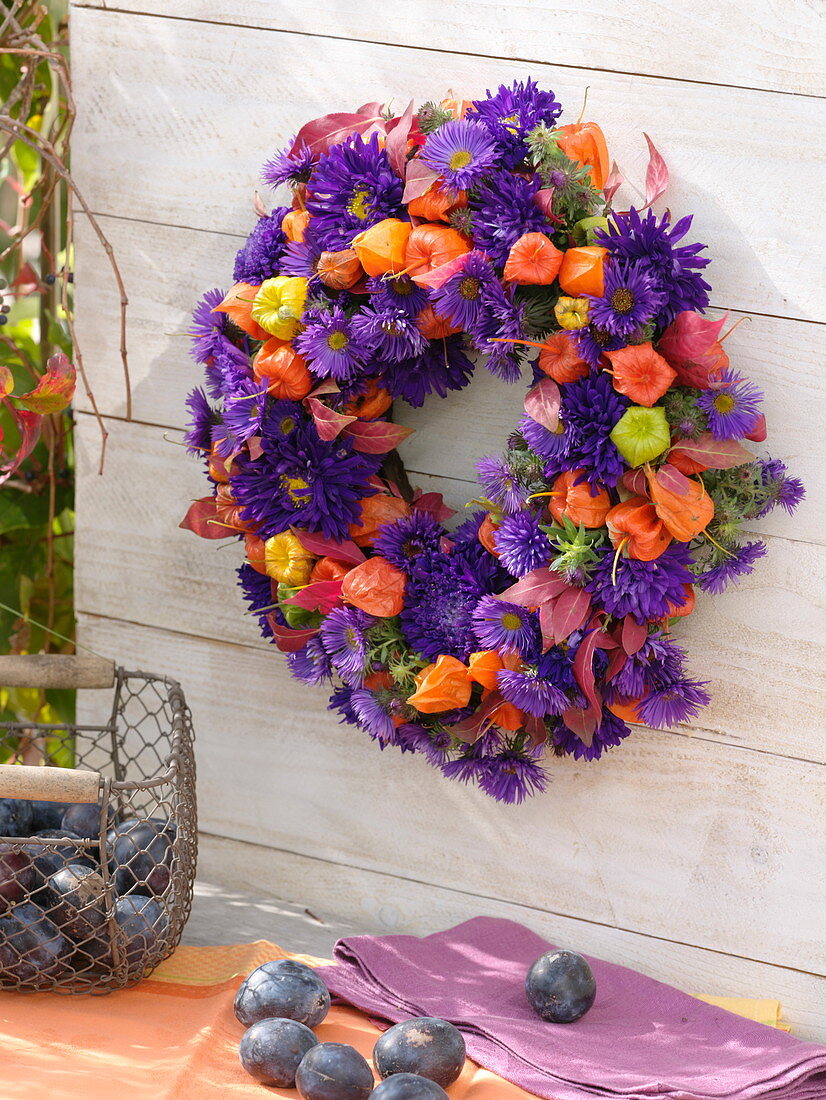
<point>97,862</point>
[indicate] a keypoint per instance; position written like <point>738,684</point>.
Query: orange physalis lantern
<point>294,224</point>
<point>376,511</point>
<point>339,270</point>
<point>560,360</point>
<point>370,404</point>
<point>684,506</point>
<point>485,665</point>
<point>381,248</point>
<point>435,326</point>
<point>283,368</point>
<point>437,204</point>
<point>238,307</point>
<point>375,586</point>
<point>635,528</point>
<point>575,498</point>
<point>640,373</point>
<point>432,246</point>
<point>329,569</point>
<point>584,143</point>
<point>533,261</point>
<point>581,271</point>
<point>444,685</point>
<point>487,535</point>
<point>680,612</point>
<point>627,711</point>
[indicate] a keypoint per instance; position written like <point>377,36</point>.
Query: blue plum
<point>83,819</point>
<point>426,1046</point>
<point>48,815</point>
<point>272,1050</point>
<point>15,817</point>
<point>560,987</point>
<point>334,1071</point>
<point>32,947</point>
<point>408,1086</point>
<point>142,854</point>
<point>284,988</point>
<point>17,876</point>
<point>78,901</point>
<point>142,924</point>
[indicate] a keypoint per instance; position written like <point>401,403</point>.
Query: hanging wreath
<point>415,247</point>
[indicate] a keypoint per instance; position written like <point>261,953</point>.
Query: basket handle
<point>47,784</point>
<point>55,670</point>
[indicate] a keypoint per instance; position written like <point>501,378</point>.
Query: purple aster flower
<point>389,334</point>
<point>281,420</point>
<point>782,489</point>
<point>557,665</point>
<point>544,442</point>
<point>434,746</point>
<point>332,345</point>
<point>243,412</point>
<point>521,544</point>
<point>257,591</point>
<point>289,167</point>
<point>468,530</point>
<point>460,297</point>
<point>653,244</point>
<point>506,627</point>
<point>311,664</point>
<point>592,341</point>
<point>408,538</point>
<point>260,256</point>
<point>671,704</point>
<point>610,732</point>
<point>442,592</point>
<point>352,188</point>
<point>504,209</point>
<point>343,634</point>
<point>501,485</point>
<point>201,420</point>
<point>207,327</point>
<point>658,661</point>
<point>461,152</point>
<point>630,299</point>
<point>228,367</point>
<point>736,564</point>
<point>532,693</point>
<point>499,331</point>
<point>440,367</point>
<point>643,589</point>
<point>303,480</point>
<point>513,774</point>
<point>731,405</point>
<point>397,292</point>
<point>590,409</point>
<point>341,702</point>
<point>511,113</point>
<point>300,259</point>
<point>373,714</point>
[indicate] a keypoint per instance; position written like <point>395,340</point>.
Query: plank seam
<point>458,53</point>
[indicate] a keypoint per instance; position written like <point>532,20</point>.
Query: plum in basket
<point>78,901</point>
<point>142,854</point>
<point>272,1050</point>
<point>334,1071</point>
<point>32,947</point>
<point>47,815</point>
<point>426,1046</point>
<point>560,987</point>
<point>17,876</point>
<point>408,1086</point>
<point>284,988</point>
<point>83,819</point>
<point>15,817</point>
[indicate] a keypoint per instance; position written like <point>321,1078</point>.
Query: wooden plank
<point>758,645</point>
<point>199,110</point>
<point>753,46</point>
<point>166,270</point>
<point>380,904</point>
<point>707,844</point>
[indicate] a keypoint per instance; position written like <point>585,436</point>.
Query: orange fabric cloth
<point>175,1036</point>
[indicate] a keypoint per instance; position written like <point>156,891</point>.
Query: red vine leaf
<point>6,381</point>
<point>613,183</point>
<point>288,638</point>
<point>398,130</point>
<point>582,722</point>
<point>570,612</point>
<point>376,437</point>
<point>716,454</point>
<point>584,669</point>
<point>202,519</point>
<point>656,176</point>
<point>319,134</point>
<point>434,503</point>
<point>55,390</point>
<point>345,551</point>
<point>28,425</point>
<point>328,422</point>
<point>633,635</point>
<point>418,180</point>
<point>535,588</point>
<point>542,404</point>
<point>319,596</point>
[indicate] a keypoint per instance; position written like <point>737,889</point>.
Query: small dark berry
<point>49,279</point>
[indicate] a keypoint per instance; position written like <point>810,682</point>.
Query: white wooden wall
<point>697,856</point>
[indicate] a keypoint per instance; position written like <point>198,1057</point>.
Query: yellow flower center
<point>287,425</point>
<point>469,288</point>
<point>402,287</point>
<point>359,204</point>
<point>724,403</point>
<point>337,340</point>
<point>511,621</point>
<point>460,159</point>
<point>296,489</point>
<point>622,300</point>
<point>391,328</point>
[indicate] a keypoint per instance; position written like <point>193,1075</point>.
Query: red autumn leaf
<point>438,276</point>
<point>535,588</point>
<point>615,663</point>
<point>345,551</point>
<point>434,504</point>
<point>613,183</point>
<point>319,134</point>
<point>372,108</point>
<point>418,180</point>
<point>689,338</point>
<point>329,385</point>
<point>542,404</point>
<point>6,381</point>
<point>258,206</point>
<point>544,199</point>
<point>584,669</point>
<point>582,722</point>
<point>319,596</point>
<point>536,730</point>
<point>376,437</point>
<point>55,389</point>
<point>28,425</point>
<point>202,519</point>
<point>328,422</point>
<point>570,612</point>
<point>471,729</point>
<point>634,481</point>
<point>546,624</point>
<point>672,479</point>
<point>713,454</point>
<point>656,175</point>
<point>254,446</point>
<point>395,146</point>
<point>288,638</point>
<point>633,635</point>
<point>758,432</point>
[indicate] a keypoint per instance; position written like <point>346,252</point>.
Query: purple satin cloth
<point>642,1040</point>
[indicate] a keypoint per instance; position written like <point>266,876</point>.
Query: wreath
<point>416,247</point>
